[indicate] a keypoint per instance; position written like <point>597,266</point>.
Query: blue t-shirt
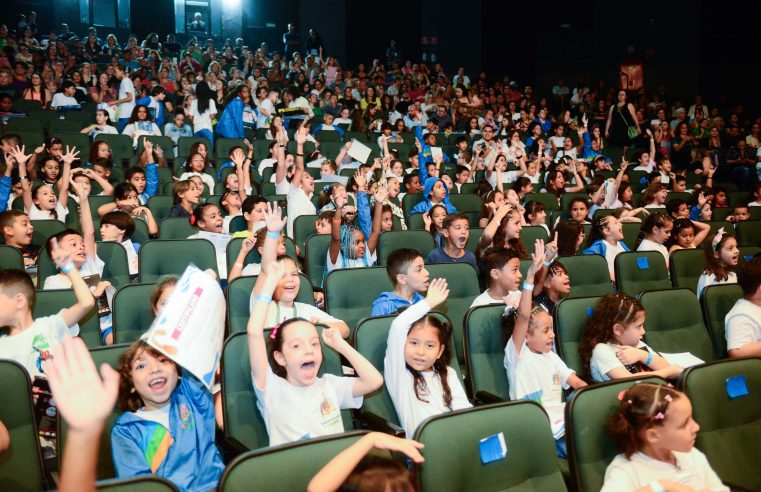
<point>438,255</point>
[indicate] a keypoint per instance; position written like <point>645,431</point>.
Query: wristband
<point>273,235</point>
<point>67,267</point>
<point>528,286</point>
<point>299,155</point>
<point>656,486</point>
<point>263,297</point>
<point>547,263</point>
<point>648,361</point>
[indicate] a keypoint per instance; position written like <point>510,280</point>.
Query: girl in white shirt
<point>417,372</point>
<point>207,217</point>
<point>611,346</point>
<point>656,229</point>
<point>140,124</point>
<point>655,431</point>
<point>294,401</point>
<point>42,203</point>
<point>195,166</point>
<point>534,371</point>
<point>721,257</point>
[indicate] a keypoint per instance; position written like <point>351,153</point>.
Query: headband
<point>717,238</point>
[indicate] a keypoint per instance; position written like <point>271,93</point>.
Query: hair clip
<point>629,402</point>
<point>273,334</point>
<point>659,416</point>
<point>621,395</point>
<point>192,219</point>
<point>510,310</point>
<point>717,238</point>
<point>668,398</point>
<point>326,188</point>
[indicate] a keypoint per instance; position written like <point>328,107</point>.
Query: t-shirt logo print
<point>41,345</point>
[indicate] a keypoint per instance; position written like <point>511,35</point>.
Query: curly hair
<point>610,310</point>
<point>441,366</point>
<point>641,407</point>
<point>656,219</point>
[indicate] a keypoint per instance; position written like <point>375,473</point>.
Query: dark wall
<point>370,26</point>
<point>328,18</point>
<point>458,32</point>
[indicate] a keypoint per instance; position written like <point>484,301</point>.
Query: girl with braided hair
<point>655,431</point>
<point>349,248</point>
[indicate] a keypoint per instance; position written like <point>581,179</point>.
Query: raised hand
<point>381,193</point>
<point>438,291</point>
<point>272,218</point>
<point>332,337</point>
<point>60,257</point>
<point>407,446</point>
<point>248,244</point>
<point>19,154</point>
<point>238,157</point>
<point>360,179</point>
<point>537,257</point>
<point>301,136</point>
<point>82,397</point>
<point>70,155</point>
<point>147,145</point>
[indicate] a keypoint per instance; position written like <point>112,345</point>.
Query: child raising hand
<point>417,371</point>
<point>294,401</point>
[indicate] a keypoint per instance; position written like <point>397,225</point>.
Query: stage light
<point>231,3</point>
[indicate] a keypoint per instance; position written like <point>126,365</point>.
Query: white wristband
<point>656,486</point>
<point>528,286</point>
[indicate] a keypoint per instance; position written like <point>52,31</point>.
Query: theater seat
<point>172,256</point>
<point>638,271</point>
<point>485,354</point>
<point>716,302</point>
<point>570,320</point>
<point>589,275</point>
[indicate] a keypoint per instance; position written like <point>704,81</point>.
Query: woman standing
<point>621,116</point>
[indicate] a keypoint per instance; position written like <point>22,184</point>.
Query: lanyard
<point>277,313</point>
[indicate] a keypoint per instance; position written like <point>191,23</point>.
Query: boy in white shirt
<point>743,322</point>
<point>267,109</point>
<point>126,102</point>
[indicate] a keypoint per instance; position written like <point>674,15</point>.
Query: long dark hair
<point>203,96</point>
<point>441,366</point>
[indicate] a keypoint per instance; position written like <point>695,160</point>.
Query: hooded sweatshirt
<point>389,303</point>
<point>426,204</point>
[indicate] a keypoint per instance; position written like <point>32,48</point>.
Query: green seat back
<point>327,136</point>
<point>529,235</point>
<point>345,301</point>
<point>466,202</point>
<point>716,301</point>
<point>549,200</point>
<point>638,271</point>
<point>96,201</point>
<point>26,124</point>
<point>176,228</point>
<point>105,469</point>
<point>316,247</point>
<point>589,275</point>
<point>420,241</point>
<point>410,200</point>
<point>370,339</point>
<point>676,330</point>
<point>462,280</point>
<point>485,352</point>
<point>631,232</point>
<point>222,147</point>
<point>21,465</point>
<point>243,423</point>
<point>416,222</point>
<point>739,198</point>
<point>137,484</point>
<point>452,457</point>
<point>570,319</point>
<point>238,294</point>
<point>166,144</point>
<point>303,227</point>
<point>686,267</point>
<point>730,429</point>
<point>72,138</point>
<point>50,302</point>
<point>715,225</point>
<point>590,448</point>
<point>566,198</point>
<point>473,239</point>
<point>172,257</point>
<point>266,468</point>
<point>748,252</point>
<point>10,257</point>
<point>749,233</point>
<point>160,205</point>
<point>132,313</point>
<point>44,229</point>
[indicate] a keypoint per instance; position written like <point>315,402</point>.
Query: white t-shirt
<point>692,469</point>
<point>276,313</point>
<point>294,413</point>
<point>206,178</point>
<point>648,245</point>
<point>485,299</point>
<point>60,99</point>
<point>202,121</point>
<point>107,129</point>
<point>265,163</point>
<point>126,87</point>
<point>367,260</point>
<point>604,360</point>
<point>252,269</point>
<point>220,242</point>
<point>611,252</point>
<point>538,377</point>
<point>35,213</point>
<point>132,258</point>
<point>707,279</point>
<point>401,385</point>
<point>742,324</point>
<point>507,177</point>
<point>37,343</point>
<point>298,204</point>
<point>160,415</point>
<point>264,121</point>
